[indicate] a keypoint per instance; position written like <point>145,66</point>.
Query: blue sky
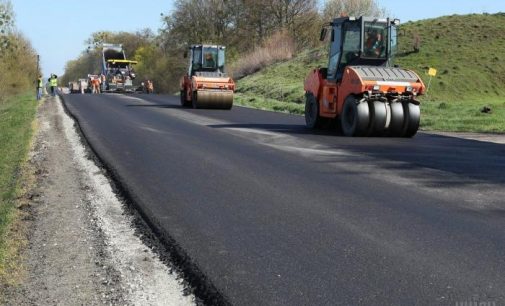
<point>58,28</point>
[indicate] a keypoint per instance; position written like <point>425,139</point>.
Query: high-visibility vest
<point>54,82</point>
<point>41,84</point>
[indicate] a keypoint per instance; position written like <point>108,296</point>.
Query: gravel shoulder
<point>485,137</point>
<point>82,246</point>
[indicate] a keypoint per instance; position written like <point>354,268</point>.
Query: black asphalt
<point>275,214</point>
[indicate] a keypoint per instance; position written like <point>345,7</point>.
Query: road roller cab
<point>206,84</point>
<point>361,89</point>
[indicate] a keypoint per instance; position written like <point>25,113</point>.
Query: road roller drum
<point>213,99</point>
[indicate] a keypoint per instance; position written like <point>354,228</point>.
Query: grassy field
<point>16,116</point>
<point>465,50</point>
<point>280,86</point>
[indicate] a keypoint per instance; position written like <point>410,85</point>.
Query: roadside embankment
<point>16,128</point>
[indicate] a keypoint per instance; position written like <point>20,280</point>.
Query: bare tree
<point>335,8</point>
<point>240,23</point>
<point>207,21</point>
<point>257,19</point>
<point>286,12</point>
<point>6,16</point>
<point>17,57</point>
<point>270,16</point>
<point>6,25</point>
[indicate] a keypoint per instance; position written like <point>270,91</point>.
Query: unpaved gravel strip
<point>83,249</point>
<point>486,137</point>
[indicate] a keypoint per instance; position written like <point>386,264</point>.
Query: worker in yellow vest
<point>40,86</point>
<point>54,84</point>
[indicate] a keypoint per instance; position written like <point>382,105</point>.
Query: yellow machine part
<point>217,99</point>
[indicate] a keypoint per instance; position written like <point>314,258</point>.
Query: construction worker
<point>102,82</point>
<point>40,86</point>
<point>150,87</point>
<point>209,61</point>
<point>53,81</point>
<point>95,82</point>
<point>373,44</point>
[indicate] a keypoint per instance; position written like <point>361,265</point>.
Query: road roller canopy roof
<point>207,59</point>
<point>360,41</point>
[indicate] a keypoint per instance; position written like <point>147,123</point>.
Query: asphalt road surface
<point>275,214</point>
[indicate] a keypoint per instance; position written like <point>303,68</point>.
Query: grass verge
<point>17,115</point>
<point>464,116</point>
<point>279,87</point>
<point>263,103</point>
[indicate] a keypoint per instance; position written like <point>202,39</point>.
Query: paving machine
<point>73,87</point>
<point>206,85</point>
<point>117,71</point>
<point>361,88</point>
<point>84,86</point>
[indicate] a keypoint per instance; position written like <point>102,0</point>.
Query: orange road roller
<point>206,84</point>
<point>361,90</point>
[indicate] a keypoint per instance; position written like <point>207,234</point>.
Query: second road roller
<point>206,84</point>
<point>361,89</point>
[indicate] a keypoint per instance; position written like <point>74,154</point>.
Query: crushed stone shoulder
<point>485,137</point>
<point>83,249</point>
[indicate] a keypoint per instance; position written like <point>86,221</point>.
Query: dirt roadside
<point>82,246</point>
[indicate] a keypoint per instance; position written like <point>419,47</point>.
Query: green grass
<point>280,86</point>
<point>465,50</point>
<point>16,116</point>
<point>268,104</point>
<point>465,116</point>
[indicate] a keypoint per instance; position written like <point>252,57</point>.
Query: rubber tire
<point>312,118</point>
<point>184,103</point>
<point>397,120</point>
<point>355,117</point>
<point>412,115</point>
<point>378,118</point>
<point>194,100</point>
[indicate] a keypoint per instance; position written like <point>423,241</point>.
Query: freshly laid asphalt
<point>275,214</point>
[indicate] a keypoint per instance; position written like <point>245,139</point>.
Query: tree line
<point>241,25</point>
<point>18,60</point>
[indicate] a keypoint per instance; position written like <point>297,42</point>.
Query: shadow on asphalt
<point>470,159</point>
<point>155,105</point>
<point>280,128</point>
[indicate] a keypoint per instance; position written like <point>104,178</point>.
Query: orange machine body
<point>190,85</point>
<point>331,94</point>
<point>361,87</point>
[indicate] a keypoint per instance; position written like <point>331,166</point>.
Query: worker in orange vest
<point>150,87</point>
<point>95,82</point>
<point>374,44</point>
